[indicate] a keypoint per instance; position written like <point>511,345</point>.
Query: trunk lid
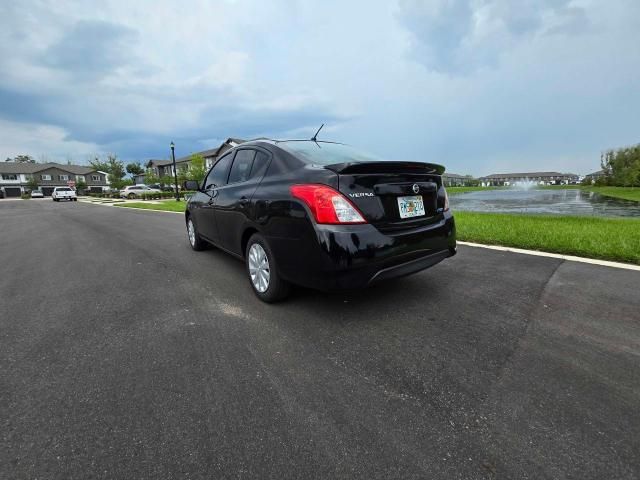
<point>386,191</point>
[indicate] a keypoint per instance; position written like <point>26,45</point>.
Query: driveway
<point>124,354</point>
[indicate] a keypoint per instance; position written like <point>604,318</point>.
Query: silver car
<point>134,191</point>
<point>37,194</point>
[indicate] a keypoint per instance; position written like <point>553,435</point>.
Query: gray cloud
<point>91,49</point>
<point>462,36</point>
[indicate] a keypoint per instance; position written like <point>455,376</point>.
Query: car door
<point>233,203</point>
<point>202,203</point>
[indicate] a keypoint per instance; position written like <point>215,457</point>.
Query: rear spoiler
<point>386,167</point>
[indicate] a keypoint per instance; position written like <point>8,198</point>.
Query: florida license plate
<point>411,206</point>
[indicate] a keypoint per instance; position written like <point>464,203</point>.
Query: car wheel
<point>194,238</point>
<point>131,196</point>
<point>263,271</point>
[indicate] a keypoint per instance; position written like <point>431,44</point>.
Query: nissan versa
<point>321,214</point>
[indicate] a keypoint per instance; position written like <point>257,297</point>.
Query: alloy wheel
<point>191,231</point>
<point>259,268</point>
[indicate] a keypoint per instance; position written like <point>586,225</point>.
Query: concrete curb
<point>570,258</point>
<point>146,209</point>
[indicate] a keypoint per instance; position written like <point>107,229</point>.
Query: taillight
<point>327,205</point>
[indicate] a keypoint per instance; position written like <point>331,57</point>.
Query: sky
<point>481,86</point>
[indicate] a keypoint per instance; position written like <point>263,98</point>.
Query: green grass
<point>616,239</point>
<point>626,193</point>
<point>456,190</point>
<point>165,205</point>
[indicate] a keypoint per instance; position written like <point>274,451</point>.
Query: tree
<point>32,183</point>
<point>112,166</point>
<point>166,180</point>
<point>134,169</point>
<point>198,169</point>
<point>21,159</point>
<point>622,166</point>
<point>81,186</point>
<point>150,177</point>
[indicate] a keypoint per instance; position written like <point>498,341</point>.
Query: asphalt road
<point>124,354</point>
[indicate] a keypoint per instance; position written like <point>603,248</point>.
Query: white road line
<point>569,258</point>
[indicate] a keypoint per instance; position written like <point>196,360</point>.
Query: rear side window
<point>218,175</point>
<point>260,165</point>
<point>241,168</point>
<point>63,189</point>
<point>324,153</point>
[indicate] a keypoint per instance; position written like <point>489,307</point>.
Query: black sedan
<point>321,214</point>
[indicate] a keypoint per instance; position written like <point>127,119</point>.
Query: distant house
<point>15,177</point>
<point>595,176</point>
<point>165,167</point>
<point>541,178</point>
<point>160,168</point>
<point>455,180</point>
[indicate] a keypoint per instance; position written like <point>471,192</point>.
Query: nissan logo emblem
<point>416,188</point>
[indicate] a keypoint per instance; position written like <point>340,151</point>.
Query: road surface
<point>124,354</point>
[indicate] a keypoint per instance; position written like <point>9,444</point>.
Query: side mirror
<point>191,185</point>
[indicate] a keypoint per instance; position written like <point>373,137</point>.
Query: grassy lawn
<point>165,205</point>
<point>616,239</point>
<point>456,190</point>
<point>626,193</point>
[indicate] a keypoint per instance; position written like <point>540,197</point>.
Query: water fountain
<point>524,184</point>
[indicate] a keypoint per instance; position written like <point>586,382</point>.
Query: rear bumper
<point>331,257</point>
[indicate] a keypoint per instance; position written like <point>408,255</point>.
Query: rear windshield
<point>321,153</point>
<point>63,189</point>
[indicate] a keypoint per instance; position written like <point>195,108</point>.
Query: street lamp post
<point>175,172</point>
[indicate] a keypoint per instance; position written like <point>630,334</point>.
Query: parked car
<point>63,193</point>
<point>320,214</point>
<point>133,191</point>
<point>37,194</point>
<point>163,188</point>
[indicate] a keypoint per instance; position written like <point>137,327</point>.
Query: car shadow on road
<point>387,296</point>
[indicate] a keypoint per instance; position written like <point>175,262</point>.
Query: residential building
<point>163,168</point>
<point>595,176</point>
<point>541,178</point>
<point>15,177</point>
<point>455,180</point>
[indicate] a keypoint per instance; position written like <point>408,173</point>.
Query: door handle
<point>243,200</point>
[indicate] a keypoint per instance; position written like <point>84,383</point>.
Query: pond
<point>561,201</point>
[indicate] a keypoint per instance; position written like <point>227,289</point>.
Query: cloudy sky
<point>482,86</point>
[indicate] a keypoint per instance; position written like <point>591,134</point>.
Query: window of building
<point>63,178</point>
<point>79,178</point>
<point>95,178</point>
<point>9,176</point>
<point>45,177</point>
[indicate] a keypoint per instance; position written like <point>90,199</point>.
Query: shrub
<point>25,196</point>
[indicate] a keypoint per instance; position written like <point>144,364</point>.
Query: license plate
<point>411,206</point>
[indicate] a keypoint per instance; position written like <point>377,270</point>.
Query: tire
<point>271,287</point>
<point>131,196</point>
<point>196,242</point>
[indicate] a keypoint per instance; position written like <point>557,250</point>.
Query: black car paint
<point>326,256</point>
